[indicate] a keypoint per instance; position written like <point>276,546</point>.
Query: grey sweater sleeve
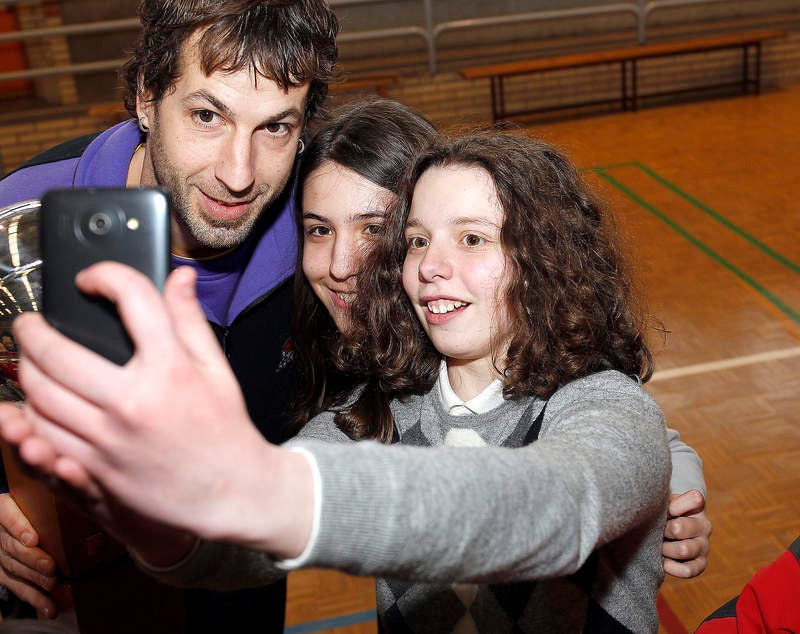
<point>445,514</point>
<point>687,467</point>
<point>487,514</point>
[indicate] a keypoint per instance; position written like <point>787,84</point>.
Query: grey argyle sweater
<point>560,535</point>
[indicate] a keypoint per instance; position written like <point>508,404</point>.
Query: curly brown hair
<point>569,297</point>
<point>291,42</point>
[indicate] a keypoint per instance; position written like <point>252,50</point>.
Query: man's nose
<point>235,165</point>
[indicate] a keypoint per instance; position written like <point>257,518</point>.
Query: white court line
<point>702,368</point>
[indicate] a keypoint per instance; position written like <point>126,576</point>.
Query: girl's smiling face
<point>342,212</point>
<point>454,271</point>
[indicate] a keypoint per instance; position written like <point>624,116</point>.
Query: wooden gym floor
<point>708,195</point>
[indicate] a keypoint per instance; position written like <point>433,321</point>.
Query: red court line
<point>668,619</point>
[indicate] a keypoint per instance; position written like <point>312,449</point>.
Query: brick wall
<point>23,140</point>
<point>47,52</point>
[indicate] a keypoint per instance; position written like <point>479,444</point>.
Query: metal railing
<point>429,32</point>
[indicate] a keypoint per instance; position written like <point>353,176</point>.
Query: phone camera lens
<point>100,224</point>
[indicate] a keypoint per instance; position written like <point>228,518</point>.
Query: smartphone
<point>79,227</point>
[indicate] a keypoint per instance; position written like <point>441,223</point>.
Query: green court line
<point>613,166</point>
<point>345,620</point>
<point>776,301</point>
<point>721,219</point>
<point>778,257</point>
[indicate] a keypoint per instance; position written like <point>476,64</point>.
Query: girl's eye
<point>472,240</point>
<point>206,117</point>
<point>417,242</point>
<point>277,129</point>
<point>319,230</point>
<point>373,230</point>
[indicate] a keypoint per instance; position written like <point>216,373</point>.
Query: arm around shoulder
<point>687,467</point>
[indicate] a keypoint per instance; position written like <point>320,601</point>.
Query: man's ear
<point>144,110</point>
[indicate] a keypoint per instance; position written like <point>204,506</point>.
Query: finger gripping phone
<point>82,226</point>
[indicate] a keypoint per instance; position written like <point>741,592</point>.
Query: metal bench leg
<point>758,68</point>
<point>624,69</point>
<point>745,68</point>
<point>501,98</point>
<point>497,92</point>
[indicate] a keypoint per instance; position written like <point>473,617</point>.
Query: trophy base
<point>102,589</point>
<point>119,598</point>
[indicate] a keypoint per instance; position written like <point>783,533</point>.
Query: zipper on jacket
<point>225,341</point>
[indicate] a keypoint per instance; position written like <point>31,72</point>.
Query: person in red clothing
<point>770,602</point>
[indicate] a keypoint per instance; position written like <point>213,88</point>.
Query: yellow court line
<point>702,368</point>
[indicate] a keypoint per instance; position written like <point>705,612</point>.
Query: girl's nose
<point>344,259</point>
<point>435,263</point>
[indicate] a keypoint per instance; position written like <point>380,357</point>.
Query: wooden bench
<point>627,58</point>
<point>378,84</point>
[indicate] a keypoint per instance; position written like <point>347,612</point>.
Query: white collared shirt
<point>487,400</point>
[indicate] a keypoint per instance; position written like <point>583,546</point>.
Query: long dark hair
<point>289,42</point>
<point>378,139</point>
<point>569,298</point>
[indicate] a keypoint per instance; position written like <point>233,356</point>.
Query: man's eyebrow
<point>211,99</point>
<point>218,105</point>
<point>289,112</point>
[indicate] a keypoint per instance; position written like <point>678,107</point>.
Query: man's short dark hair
<point>291,42</point>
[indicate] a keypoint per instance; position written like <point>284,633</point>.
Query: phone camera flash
<point>133,224</point>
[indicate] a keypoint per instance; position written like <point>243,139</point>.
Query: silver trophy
<point>20,284</point>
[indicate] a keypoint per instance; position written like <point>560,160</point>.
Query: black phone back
<point>84,226</point>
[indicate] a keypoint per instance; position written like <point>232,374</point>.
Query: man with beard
<point>219,92</point>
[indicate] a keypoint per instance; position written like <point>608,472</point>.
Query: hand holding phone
<point>84,226</point>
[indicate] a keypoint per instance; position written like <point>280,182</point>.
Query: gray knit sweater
<point>423,518</point>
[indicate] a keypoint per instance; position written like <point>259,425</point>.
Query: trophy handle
<point>20,284</point>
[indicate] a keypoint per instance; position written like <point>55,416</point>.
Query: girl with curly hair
<point>497,313</point>
<point>351,172</point>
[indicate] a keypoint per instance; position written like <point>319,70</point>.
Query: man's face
<point>224,145</point>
